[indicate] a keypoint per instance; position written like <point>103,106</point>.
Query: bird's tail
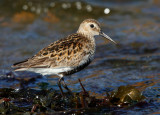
<point>20,66</point>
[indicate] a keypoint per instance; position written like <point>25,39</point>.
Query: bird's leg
<point>65,86</point>
<point>59,84</point>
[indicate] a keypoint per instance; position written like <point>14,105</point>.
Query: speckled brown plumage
<point>67,52</point>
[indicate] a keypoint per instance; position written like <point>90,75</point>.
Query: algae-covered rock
<point>126,95</point>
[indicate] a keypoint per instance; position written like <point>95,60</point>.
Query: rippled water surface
<point>28,26</point>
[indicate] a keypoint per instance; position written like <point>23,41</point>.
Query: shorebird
<point>65,56</point>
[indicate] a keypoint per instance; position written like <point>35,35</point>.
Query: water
<point>28,26</point>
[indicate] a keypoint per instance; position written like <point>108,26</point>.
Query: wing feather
<point>57,54</point>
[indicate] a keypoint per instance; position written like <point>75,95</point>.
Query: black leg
<point>65,86</point>
<point>59,84</point>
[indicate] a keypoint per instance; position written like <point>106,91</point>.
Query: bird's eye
<point>92,26</point>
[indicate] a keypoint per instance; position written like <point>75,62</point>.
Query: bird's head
<point>91,28</point>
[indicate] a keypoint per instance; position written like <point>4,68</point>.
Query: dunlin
<point>65,56</point>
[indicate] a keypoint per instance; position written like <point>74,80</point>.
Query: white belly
<point>49,71</point>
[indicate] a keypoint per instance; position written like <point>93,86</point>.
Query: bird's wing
<point>61,53</point>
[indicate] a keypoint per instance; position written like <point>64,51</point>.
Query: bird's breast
<point>84,58</point>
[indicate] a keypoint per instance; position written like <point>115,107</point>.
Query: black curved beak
<point>107,37</point>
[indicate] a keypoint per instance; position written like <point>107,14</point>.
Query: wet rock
<point>126,95</point>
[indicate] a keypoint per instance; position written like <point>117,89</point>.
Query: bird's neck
<point>86,35</point>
